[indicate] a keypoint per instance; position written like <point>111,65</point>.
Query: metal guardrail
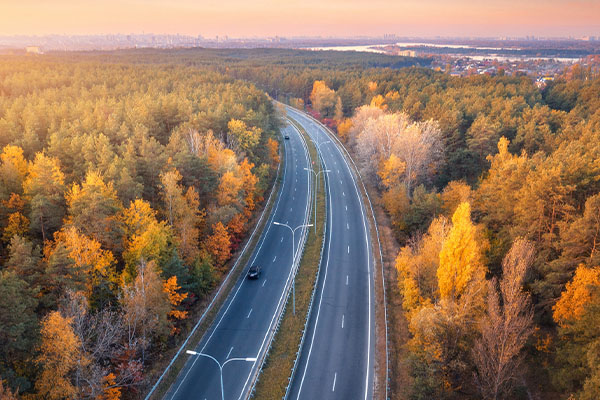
<point>275,329</point>
<point>357,172</point>
<point>312,297</point>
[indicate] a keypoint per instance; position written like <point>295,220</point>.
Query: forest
<point>129,177</point>
<point>124,191</point>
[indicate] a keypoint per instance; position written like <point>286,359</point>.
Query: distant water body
<point>379,48</point>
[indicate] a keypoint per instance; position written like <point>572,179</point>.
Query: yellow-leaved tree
<point>218,244</point>
<point>442,279</point>
<point>460,257</point>
<point>145,237</point>
<point>92,264</point>
<point>182,208</point>
<point>172,289</point>
<point>58,358</point>
<point>571,305</point>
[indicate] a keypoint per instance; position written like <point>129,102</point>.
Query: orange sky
<point>244,18</point>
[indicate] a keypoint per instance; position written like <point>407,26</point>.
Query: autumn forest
<point>129,179</point>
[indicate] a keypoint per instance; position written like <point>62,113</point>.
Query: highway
<point>240,333</point>
<point>337,358</point>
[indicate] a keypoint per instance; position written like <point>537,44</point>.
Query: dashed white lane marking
<point>274,258</point>
<point>338,171</point>
<point>343,193</point>
<point>249,313</point>
<point>265,281</point>
<point>347,226</point>
<point>228,354</point>
<point>294,189</point>
<point>341,183</point>
<point>346,280</point>
<point>346,208</point>
<point>281,240</point>
<point>291,209</point>
<point>343,321</point>
<point>334,379</point>
<point>348,249</point>
<point>293,198</point>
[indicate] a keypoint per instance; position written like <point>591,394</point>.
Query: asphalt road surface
<point>336,361</point>
<point>242,325</point>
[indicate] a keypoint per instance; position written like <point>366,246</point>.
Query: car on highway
<point>254,272</point>
<point>287,137</point>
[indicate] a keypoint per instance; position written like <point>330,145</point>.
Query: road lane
<point>336,361</point>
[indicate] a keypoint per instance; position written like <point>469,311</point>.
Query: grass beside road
<point>278,366</point>
<point>166,357</point>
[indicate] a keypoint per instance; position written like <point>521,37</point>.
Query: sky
<point>260,18</point>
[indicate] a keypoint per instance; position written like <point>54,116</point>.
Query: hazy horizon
<point>336,18</point>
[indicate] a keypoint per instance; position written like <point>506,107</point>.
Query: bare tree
<point>417,144</point>
<point>506,328</point>
<point>100,336</point>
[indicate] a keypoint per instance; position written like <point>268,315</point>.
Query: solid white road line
<point>334,379</point>
<point>228,354</point>
<point>249,313</point>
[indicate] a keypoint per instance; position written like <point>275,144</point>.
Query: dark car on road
<point>254,272</point>
<point>287,137</point>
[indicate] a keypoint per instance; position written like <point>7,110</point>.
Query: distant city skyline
<point>341,18</point>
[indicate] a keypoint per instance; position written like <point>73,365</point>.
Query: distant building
<point>407,53</point>
<point>33,50</point>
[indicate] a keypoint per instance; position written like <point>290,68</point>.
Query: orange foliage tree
<point>58,358</point>
<point>576,296</point>
<point>218,244</point>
